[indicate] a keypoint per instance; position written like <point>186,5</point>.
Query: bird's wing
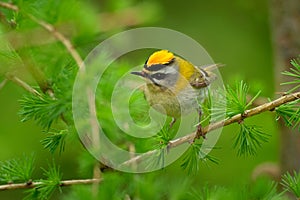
<point>204,76</point>
<point>199,79</point>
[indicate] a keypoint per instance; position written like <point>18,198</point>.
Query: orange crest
<point>160,57</point>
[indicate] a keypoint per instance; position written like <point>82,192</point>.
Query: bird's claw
<point>199,133</point>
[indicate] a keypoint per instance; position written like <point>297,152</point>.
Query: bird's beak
<point>145,75</point>
<point>142,74</point>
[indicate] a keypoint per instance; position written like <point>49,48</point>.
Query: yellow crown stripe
<point>160,57</point>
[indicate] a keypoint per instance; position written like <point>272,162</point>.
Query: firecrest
<point>175,86</point>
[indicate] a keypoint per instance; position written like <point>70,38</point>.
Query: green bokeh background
<point>236,33</point>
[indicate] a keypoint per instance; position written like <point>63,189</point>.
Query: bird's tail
<point>212,67</point>
<point>209,68</point>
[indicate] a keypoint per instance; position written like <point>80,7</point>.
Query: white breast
<point>191,98</point>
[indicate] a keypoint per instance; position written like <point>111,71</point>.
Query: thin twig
<point>270,106</point>
<point>23,84</point>
<point>9,6</point>
<point>65,41</point>
<point>80,182</point>
<point>3,83</point>
<point>62,184</point>
<point>95,137</point>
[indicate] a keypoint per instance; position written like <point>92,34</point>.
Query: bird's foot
<point>172,123</point>
<point>199,133</point>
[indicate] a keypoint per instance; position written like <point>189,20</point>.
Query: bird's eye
<point>158,76</point>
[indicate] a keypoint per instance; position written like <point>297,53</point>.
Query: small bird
<point>175,86</point>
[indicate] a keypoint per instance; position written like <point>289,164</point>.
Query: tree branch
<point>62,184</point>
<point>270,106</point>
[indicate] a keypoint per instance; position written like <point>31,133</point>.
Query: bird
<point>174,86</point>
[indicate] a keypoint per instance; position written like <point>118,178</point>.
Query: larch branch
<point>248,113</point>
<point>28,185</point>
<point>270,106</point>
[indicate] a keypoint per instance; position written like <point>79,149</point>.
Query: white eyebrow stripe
<point>168,70</point>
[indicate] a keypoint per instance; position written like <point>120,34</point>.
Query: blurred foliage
<point>44,109</point>
<point>241,43</point>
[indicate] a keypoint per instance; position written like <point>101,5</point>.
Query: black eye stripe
<point>151,79</point>
<point>158,76</point>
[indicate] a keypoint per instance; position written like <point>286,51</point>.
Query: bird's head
<point>160,69</point>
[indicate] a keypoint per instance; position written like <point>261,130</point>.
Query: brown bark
<point>14,186</point>
<point>285,21</point>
